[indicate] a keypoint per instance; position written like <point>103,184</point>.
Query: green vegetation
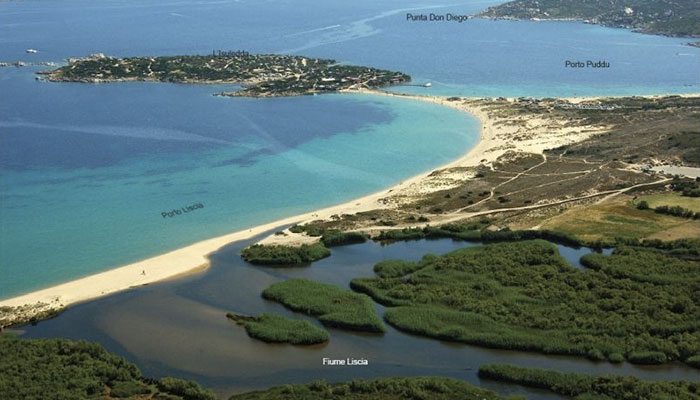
<point>261,75</point>
<point>663,17</point>
<point>639,304</point>
<point>65,369</point>
<point>583,386</point>
<point>472,232</point>
<point>284,255</point>
<point>274,328</point>
<point>332,305</point>
<point>413,388</point>
<point>330,237</point>
<point>334,237</point>
<point>686,187</point>
<point>398,268</point>
<point>27,314</point>
<point>677,211</point>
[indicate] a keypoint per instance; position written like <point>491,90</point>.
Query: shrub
<point>647,357</point>
<point>188,390</point>
<point>332,238</point>
<point>414,388</point>
<point>693,361</point>
<point>583,386</point>
<point>284,255</point>
<point>128,389</point>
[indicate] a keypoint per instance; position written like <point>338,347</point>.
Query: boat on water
<point>32,51</point>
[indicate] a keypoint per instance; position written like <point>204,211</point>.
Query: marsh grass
<point>582,386</point>
<point>639,304</point>
<point>332,305</point>
<point>275,328</point>
<point>397,388</point>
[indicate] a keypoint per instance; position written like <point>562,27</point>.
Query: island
<point>333,306</point>
<point>260,75</point>
<point>660,17</point>
<point>275,328</point>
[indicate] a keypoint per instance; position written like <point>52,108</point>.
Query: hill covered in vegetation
<point>260,74</point>
<point>661,17</point>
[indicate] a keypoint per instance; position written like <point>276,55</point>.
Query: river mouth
<point>179,328</point>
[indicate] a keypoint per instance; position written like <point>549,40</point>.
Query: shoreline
<point>194,258</point>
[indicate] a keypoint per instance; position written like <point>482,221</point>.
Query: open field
<point>620,218</point>
<point>671,199</point>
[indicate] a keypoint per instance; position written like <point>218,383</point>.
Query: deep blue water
<point>86,170</point>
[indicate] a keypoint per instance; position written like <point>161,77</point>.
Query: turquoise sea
<point>86,171</point>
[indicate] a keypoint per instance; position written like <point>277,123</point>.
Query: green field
<point>639,304</point>
<point>620,218</point>
<point>671,199</point>
<point>332,305</point>
<point>274,328</point>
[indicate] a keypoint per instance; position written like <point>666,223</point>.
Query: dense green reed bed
<point>284,255</point>
<point>639,304</point>
<point>332,305</point>
<point>583,386</point>
<point>414,388</point>
<point>66,369</point>
<point>274,328</point>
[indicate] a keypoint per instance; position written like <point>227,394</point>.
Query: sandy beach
<point>495,140</point>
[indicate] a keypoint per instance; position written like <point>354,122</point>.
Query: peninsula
<point>659,17</point>
<point>261,75</point>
